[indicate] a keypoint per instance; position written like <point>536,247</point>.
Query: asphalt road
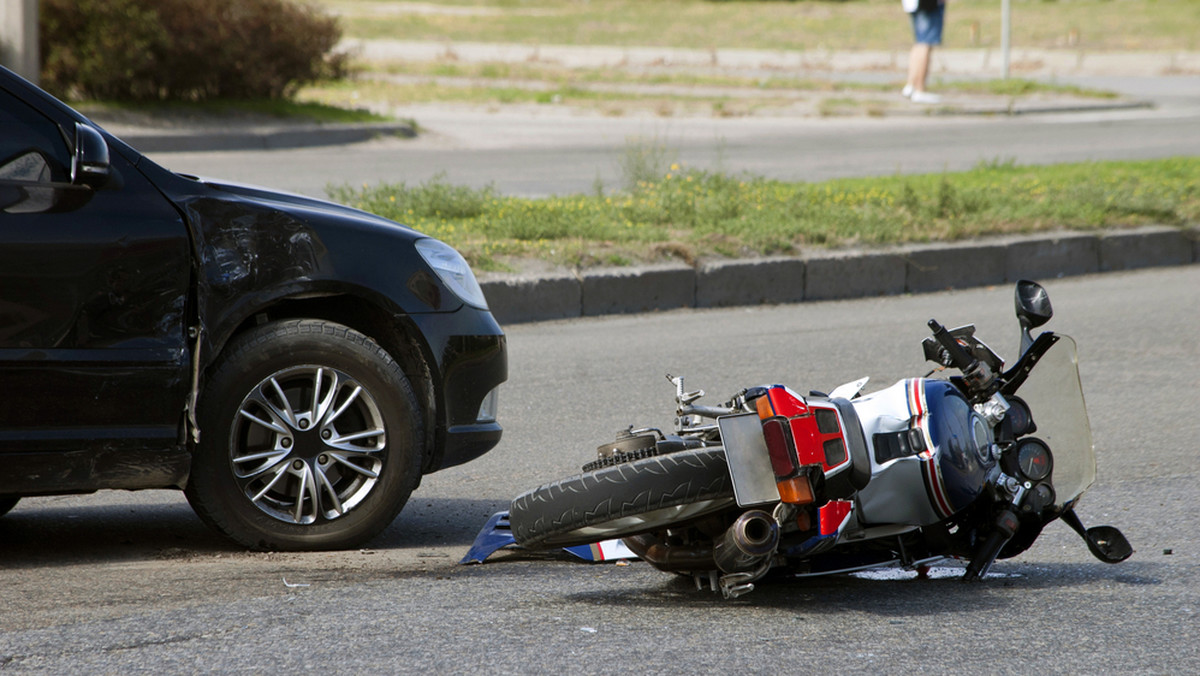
<point>535,153</point>
<point>133,583</point>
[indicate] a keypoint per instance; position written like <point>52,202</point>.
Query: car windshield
<point>1055,397</point>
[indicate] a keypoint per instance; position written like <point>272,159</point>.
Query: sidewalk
<point>877,66</point>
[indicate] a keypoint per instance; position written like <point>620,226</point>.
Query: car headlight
<point>453,270</point>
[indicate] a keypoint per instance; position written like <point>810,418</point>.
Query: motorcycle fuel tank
<point>930,453</point>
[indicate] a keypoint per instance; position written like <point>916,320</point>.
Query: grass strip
<point>702,24</point>
<point>686,213</point>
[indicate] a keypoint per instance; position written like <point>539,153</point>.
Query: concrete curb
<point>835,275</point>
<point>263,138</point>
<point>1019,108</point>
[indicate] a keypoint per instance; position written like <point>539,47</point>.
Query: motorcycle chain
<point>621,458</point>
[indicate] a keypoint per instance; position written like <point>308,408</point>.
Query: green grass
<point>802,25</point>
<point>686,214</point>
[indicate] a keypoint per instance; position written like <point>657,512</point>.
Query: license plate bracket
<point>748,458</point>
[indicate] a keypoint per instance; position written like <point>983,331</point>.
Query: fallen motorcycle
<point>926,469</point>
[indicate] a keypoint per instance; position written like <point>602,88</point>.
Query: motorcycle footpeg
<point>734,585</point>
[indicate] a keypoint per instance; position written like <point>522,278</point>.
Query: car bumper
<point>472,359</point>
<point>467,442</point>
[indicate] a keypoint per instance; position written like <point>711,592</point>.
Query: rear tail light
<point>783,456</point>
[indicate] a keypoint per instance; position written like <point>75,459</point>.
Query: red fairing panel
<point>816,429</point>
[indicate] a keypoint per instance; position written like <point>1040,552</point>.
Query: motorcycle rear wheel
<point>623,500</point>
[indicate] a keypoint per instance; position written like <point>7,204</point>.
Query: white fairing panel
<point>896,494</point>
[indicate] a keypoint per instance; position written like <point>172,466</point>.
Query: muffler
<point>671,558</point>
<point>747,543</point>
<point>743,546</point>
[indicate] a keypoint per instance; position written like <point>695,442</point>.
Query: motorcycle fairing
<point>834,519</point>
<point>803,432</point>
<point>833,515</point>
<point>497,534</point>
<point>948,464</point>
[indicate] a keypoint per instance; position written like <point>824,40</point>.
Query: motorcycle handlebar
<point>958,356</point>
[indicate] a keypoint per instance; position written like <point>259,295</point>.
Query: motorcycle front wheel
<point>623,500</point>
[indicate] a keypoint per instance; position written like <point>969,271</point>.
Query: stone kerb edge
<point>1151,246</point>
<point>534,298</point>
<point>638,289</point>
<point>750,282</point>
<point>836,275</point>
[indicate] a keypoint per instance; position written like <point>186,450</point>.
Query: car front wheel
<point>310,438</point>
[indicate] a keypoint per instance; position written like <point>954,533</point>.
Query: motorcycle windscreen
<point>1055,397</point>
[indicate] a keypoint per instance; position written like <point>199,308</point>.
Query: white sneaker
<point>925,97</point>
<point>907,91</point>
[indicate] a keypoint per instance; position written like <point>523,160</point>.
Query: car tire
<point>7,503</point>
<point>310,438</point>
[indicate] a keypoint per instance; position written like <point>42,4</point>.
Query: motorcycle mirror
<point>1033,304</point>
<point>1104,542</point>
<point>1108,544</point>
<point>1033,309</point>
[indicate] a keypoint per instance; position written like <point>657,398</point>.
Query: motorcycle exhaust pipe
<point>671,558</point>
<point>742,547</point>
<point>747,543</point>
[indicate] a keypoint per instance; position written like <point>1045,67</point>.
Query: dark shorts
<point>927,25</point>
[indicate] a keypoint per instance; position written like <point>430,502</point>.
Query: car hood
<point>287,201</point>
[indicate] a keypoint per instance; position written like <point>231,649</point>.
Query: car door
<point>93,295</point>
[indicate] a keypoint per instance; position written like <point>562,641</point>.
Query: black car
<point>293,365</point>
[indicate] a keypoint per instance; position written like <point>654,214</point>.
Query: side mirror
<point>90,166</point>
<point>1033,309</point>
<point>1108,544</point>
<point>1104,542</point>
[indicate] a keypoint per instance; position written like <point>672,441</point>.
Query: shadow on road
<point>104,528</point>
<point>904,597</point>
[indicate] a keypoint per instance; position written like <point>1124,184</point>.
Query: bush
<point>190,50</point>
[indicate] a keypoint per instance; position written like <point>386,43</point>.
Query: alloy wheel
<point>308,444</point>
